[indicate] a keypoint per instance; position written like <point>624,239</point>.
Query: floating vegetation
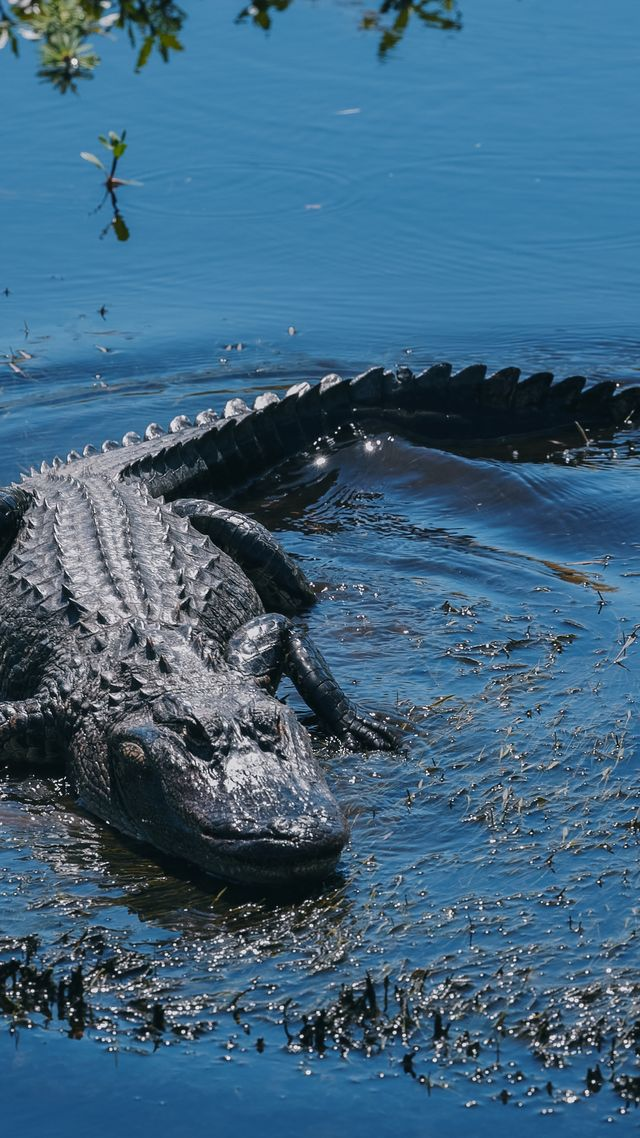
<point>429,1027</point>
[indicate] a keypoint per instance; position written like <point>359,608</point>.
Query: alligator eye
<point>170,710</point>
<point>267,730</point>
<point>133,752</point>
<point>187,728</point>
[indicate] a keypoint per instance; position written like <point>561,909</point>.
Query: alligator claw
<point>372,731</point>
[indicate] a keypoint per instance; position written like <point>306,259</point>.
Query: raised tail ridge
<point>435,406</point>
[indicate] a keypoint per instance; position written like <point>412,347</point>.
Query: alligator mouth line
<point>270,869</point>
<point>254,873</point>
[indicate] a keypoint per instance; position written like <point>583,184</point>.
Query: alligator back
<point>94,556</point>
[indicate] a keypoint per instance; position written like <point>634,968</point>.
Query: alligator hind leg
<point>13,504</point>
<point>280,584</point>
<point>269,645</point>
<point>25,732</point>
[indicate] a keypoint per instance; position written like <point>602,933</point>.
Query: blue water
<point>306,207</point>
<point>485,184</point>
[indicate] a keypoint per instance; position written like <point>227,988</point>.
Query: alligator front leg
<point>26,731</point>
<point>278,581</point>
<point>269,646</point>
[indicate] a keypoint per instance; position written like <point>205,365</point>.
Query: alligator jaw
<point>271,863</point>
<point>260,860</point>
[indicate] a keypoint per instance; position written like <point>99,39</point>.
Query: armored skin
<point>144,630</point>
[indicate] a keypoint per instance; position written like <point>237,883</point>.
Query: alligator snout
<point>248,813</point>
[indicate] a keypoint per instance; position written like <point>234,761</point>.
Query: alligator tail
<point>435,406</point>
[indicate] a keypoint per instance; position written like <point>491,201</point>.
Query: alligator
<point>144,628</point>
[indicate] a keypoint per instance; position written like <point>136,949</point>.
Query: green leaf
<point>95,161</point>
<point>120,228</point>
<point>118,149</point>
<point>170,41</point>
<point>145,52</point>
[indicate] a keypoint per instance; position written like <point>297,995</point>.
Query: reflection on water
<point>391,19</point>
<point>443,14</point>
<point>117,224</point>
<point>260,13</point>
<point>411,204</point>
<point>63,27</point>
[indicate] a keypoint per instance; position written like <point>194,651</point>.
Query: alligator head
<point>230,785</point>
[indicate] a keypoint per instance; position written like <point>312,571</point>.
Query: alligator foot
<point>269,645</point>
<point>278,581</point>
<point>24,734</point>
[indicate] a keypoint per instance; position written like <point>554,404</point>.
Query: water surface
<point>307,207</point>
